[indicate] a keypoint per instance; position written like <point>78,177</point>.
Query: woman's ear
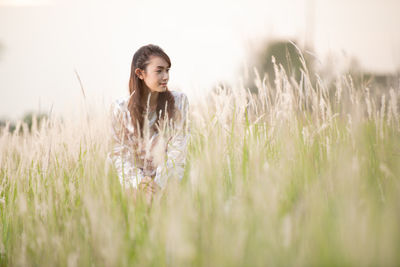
<point>138,73</point>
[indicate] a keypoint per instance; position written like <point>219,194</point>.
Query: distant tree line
<point>27,119</point>
<point>294,59</point>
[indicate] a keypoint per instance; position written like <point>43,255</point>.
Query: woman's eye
<point>159,71</point>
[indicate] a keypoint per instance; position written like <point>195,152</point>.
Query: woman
<point>150,127</point>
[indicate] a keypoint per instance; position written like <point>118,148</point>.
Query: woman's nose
<point>165,76</point>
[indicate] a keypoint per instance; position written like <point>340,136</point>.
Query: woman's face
<point>156,74</point>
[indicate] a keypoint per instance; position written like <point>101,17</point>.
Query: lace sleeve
<point>174,164</point>
<point>122,154</point>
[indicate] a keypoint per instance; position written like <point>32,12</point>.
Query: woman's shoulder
<point>120,114</point>
<point>120,103</point>
<point>119,107</point>
<point>180,98</point>
<point>177,93</point>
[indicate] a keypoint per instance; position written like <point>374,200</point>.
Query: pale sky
<point>44,41</point>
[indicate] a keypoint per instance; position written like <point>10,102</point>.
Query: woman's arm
<point>122,153</point>
<point>174,165</point>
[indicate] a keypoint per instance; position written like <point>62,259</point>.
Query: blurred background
<point>43,44</point>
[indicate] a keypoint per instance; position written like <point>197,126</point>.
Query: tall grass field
<point>295,173</point>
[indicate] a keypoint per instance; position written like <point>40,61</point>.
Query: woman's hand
<point>148,184</point>
<point>149,187</point>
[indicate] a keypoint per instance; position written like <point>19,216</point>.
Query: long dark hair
<point>138,91</point>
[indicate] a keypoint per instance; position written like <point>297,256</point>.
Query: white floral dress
<point>161,156</point>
